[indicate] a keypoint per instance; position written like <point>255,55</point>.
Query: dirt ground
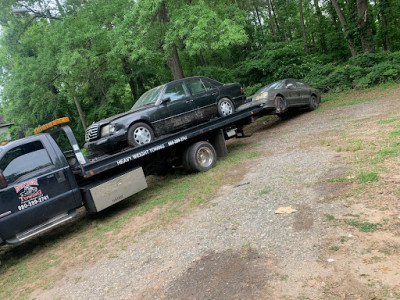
<point>341,242</point>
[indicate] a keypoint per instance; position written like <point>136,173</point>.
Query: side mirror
<point>290,85</point>
<point>3,181</point>
<point>166,100</point>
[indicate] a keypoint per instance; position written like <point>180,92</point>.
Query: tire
<point>185,160</point>
<point>225,107</point>
<point>140,134</point>
<point>281,105</point>
<point>313,102</point>
<point>202,156</point>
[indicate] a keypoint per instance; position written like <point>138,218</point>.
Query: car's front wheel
<point>313,102</point>
<point>225,107</point>
<point>281,106</point>
<point>140,134</point>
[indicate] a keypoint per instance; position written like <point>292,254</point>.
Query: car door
<point>205,97</point>
<point>305,92</point>
<point>294,97</point>
<point>177,109</point>
<point>36,189</point>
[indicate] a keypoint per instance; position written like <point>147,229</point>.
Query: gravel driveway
<point>235,246</point>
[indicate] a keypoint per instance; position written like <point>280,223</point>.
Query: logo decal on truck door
<point>30,194</point>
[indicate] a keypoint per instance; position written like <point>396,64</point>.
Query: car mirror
<point>3,181</point>
<point>290,85</point>
<point>166,100</point>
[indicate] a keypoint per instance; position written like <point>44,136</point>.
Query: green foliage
<point>104,54</point>
<point>366,177</point>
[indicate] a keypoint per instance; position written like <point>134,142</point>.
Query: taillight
<point>241,89</point>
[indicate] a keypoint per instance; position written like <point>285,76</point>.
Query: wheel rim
<point>313,101</point>
<point>142,136</point>
<point>204,157</point>
<point>281,104</point>
<point>226,108</point>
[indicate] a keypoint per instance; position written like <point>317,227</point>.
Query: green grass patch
<point>386,121</point>
<point>367,177</point>
<point>364,226</point>
<point>330,217</point>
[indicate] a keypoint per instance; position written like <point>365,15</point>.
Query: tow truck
<point>45,178</point>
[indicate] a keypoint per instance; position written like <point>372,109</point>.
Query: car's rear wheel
<point>201,157</point>
<point>281,105</point>
<point>313,102</point>
<point>225,107</point>
<point>140,134</point>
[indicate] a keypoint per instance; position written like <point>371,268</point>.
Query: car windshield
<point>273,86</point>
<point>148,97</point>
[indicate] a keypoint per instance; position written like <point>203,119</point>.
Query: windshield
<point>148,97</point>
<point>273,86</point>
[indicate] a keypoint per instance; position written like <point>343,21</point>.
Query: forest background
<point>90,59</point>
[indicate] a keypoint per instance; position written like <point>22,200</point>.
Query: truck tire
<point>140,134</point>
<point>225,107</point>
<point>185,160</point>
<point>201,156</point>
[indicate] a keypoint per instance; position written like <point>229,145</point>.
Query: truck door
<point>36,186</point>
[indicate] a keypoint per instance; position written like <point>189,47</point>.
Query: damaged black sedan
<point>164,109</point>
<point>278,97</point>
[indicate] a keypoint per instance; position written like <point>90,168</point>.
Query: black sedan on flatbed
<point>278,97</point>
<point>164,109</point>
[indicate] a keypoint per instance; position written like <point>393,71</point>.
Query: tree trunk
<point>131,80</point>
<point>321,34</point>
<point>174,60</point>
<point>343,22</point>
<point>303,28</point>
<point>271,21</point>
<point>278,22</point>
<point>175,64</point>
<point>364,27</point>
<point>80,112</point>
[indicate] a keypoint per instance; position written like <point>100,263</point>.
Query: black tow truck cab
<point>42,185</point>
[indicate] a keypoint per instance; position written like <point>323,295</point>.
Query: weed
<point>284,277</point>
<point>330,217</point>
<point>364,226</point>
<point>334,248</point>
<point>368,177</point>
<point>343,239</point>
<point>265,191</point>
<point>337,179</point>
<point>388,121</point>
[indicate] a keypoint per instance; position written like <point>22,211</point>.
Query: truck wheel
<point>185,160</point>
<point>140,134</point>
<point>225,107</point>
<point>202,156</point>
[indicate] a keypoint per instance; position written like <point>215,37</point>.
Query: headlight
<point>261,96</point>
<point>107,130</point>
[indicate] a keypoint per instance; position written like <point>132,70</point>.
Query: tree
<point>343,22</point>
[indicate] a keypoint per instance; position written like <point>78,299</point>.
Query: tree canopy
<point>90,59</point>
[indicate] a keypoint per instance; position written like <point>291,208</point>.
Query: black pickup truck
<point>42,185</point>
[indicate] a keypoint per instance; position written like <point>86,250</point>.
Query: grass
<point>364,226</point>
<point>367,177</point>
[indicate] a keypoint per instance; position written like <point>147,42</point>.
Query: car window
<point>208,85</point>
<point>176,91</point>
<point>196,86</point>
<point>290,81</point>
<point>300,84</point>
<point>23,160</point>
<point>273,86</point>
<point>150,96</point>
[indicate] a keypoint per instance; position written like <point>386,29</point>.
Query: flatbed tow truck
<point>43,185</point>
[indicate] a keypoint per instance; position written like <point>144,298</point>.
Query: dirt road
<point>342,242</point>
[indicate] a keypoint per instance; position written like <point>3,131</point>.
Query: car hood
<point>116,117</point>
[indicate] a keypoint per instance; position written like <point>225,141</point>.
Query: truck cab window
<point>24,159</point>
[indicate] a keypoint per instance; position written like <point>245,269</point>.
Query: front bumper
<point>267,105</point>
<point>106,143</point>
